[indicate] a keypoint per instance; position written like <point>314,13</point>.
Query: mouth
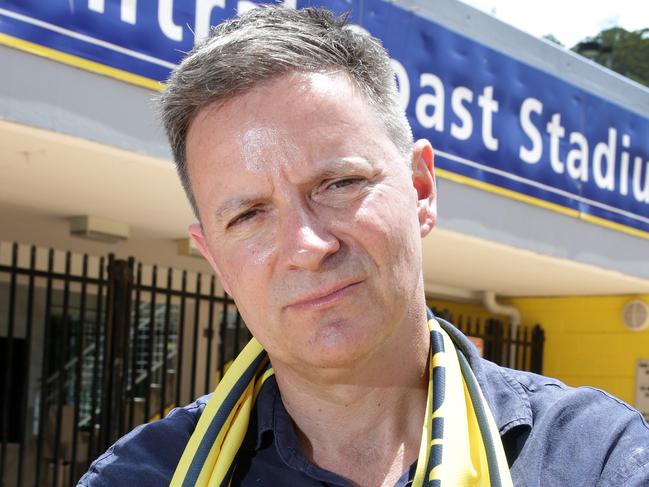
<point>327,296</point>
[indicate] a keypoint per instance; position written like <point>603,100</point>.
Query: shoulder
<point>578,435</point>
<point>148,455</point>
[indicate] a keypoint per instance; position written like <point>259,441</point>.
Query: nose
<point>306,239</point>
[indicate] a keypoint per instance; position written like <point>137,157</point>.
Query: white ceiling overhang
<point>65,176</point>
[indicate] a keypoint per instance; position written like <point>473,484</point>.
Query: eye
<point>341,183</point>
<point>243,217</point>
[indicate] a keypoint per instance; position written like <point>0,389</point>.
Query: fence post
<point>120,285</point>
<point>489,337</point>
<point>500,343</point>
<point>538,340</point>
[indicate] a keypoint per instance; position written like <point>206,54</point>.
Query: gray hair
<point>268,42</point>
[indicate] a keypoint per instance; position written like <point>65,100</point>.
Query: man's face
<point>310,217</point>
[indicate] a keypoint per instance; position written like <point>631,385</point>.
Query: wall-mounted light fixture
<point>99,229</point>
<point>187,247</point>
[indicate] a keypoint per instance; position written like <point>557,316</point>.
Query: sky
<point>570,21</point>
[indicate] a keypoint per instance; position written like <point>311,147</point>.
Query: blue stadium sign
<point>495,122</point>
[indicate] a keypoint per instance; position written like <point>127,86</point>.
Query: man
<point>312,201</point>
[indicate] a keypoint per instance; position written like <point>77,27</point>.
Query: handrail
<point>72,362</point>
<point>143,324</point>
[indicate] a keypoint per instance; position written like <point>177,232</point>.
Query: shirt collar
<point>260,431</point>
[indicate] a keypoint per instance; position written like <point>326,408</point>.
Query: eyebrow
<point>335,166</point>
<point>325,169</point>
<point>231,205</point>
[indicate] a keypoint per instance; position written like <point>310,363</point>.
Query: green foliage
<point>626,52</point>
<point>551,38</point>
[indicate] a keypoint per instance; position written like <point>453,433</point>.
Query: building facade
<point>542,170</point>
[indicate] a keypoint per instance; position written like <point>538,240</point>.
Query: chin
<point>339,345</point>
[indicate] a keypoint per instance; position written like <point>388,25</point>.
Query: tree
<point>626,52</point>
<point>551,38</point>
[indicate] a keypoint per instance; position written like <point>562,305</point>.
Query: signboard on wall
<point>642,387</point>
<point>496,123</point>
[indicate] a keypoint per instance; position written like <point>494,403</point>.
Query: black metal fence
<point>520,348</point>
<point>91,347</point>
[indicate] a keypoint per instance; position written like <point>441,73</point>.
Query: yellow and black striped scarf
<point>460,444</point>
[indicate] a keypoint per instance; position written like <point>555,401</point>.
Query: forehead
<point>292,90</point>
<point>306,107</point>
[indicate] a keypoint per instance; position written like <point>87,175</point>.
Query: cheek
<point>388,220</point>
<point>245,264</point>
<point>257,253</point>
<point>390,235</point>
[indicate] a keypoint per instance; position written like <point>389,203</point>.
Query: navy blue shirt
<point>553,435</point>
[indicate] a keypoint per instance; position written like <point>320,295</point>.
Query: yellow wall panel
<point>587,342</point>
<point>602,355</point>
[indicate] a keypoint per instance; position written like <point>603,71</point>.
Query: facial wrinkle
<point>266,149</point>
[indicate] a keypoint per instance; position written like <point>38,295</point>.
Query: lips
<point>326,296</point>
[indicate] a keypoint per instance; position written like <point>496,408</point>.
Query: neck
<point>364,423</point>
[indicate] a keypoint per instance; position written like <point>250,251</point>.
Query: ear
<point>423,180</point>
<point>196,232</point>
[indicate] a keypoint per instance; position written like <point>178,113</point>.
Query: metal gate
<point>91,347</point>
<point>520,348</point>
